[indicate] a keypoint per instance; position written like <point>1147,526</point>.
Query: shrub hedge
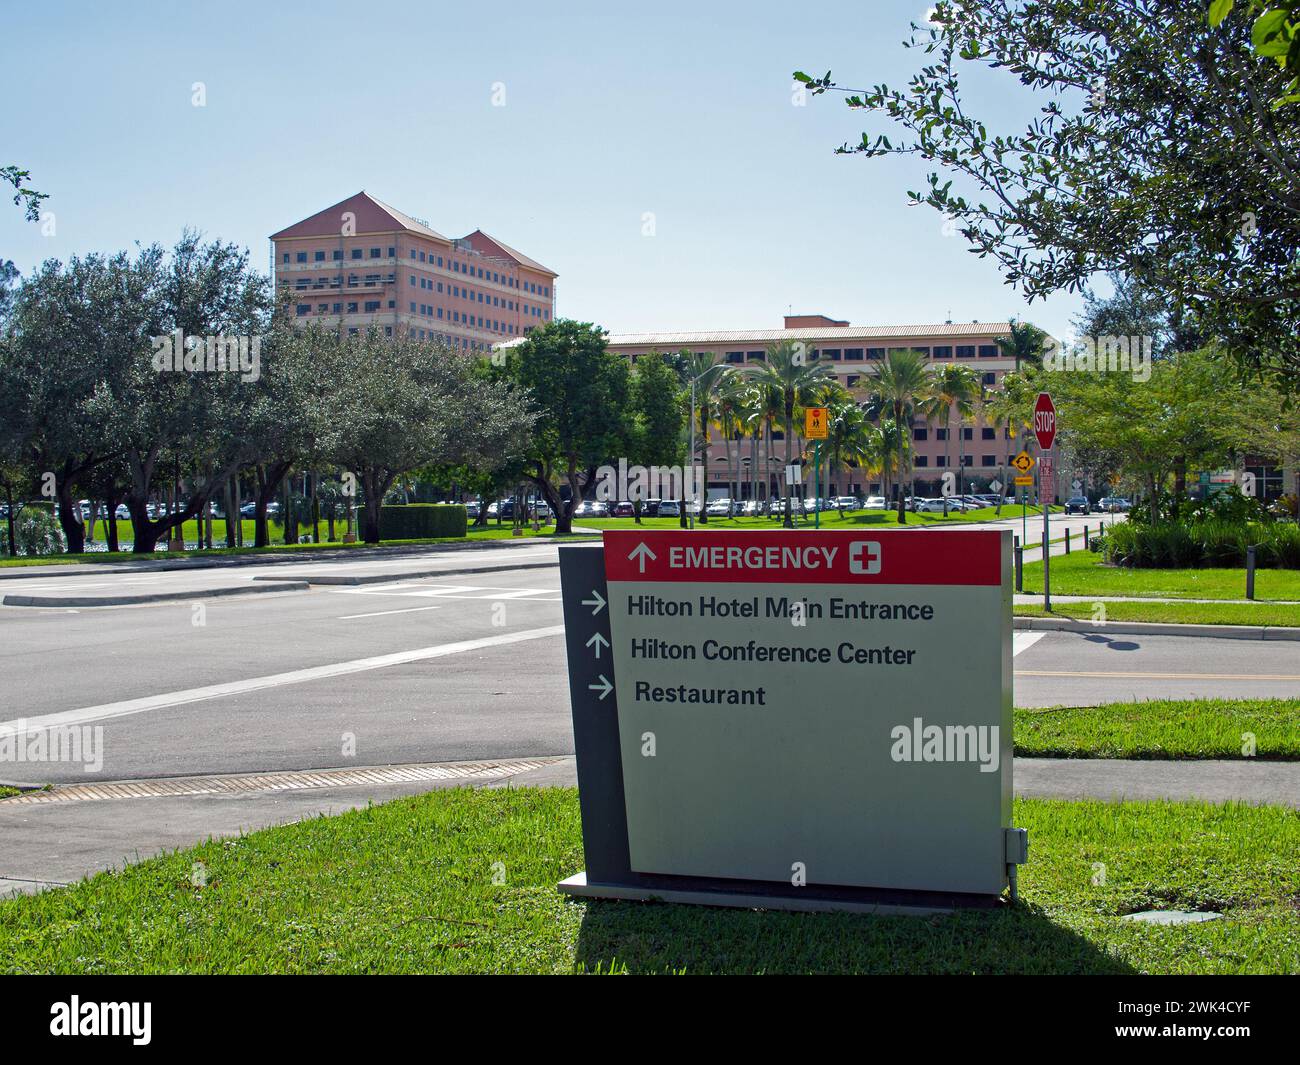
<point>1219,544</point>
<point>419,521</point>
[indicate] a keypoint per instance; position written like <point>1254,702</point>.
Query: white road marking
<point>127,707</point>
<point>381,613</point>
<point>1023,641</point>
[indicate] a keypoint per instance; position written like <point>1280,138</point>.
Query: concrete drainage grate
<point>289,781</point>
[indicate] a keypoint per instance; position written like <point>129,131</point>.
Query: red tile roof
<point>372,216</point>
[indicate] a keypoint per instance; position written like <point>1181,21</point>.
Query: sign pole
<point>817,490</point>
<point>1045,497</point>
<point>1045,430</point>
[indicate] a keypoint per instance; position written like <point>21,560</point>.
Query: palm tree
<point>951,386</point>
<point>707,373</point>
<point>902,381</point>
<point>788,372</point>
<point>1025,344</point>
<point>851,440</point>
<point>1012,404</point>
<point>732,395</point>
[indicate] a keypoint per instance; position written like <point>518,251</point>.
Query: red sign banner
<point>901,557</point>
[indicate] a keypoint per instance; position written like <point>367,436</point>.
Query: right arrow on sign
<point>598,602</point>
<point>640,553</point>
<point>604,687</point>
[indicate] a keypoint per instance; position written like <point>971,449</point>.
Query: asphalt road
<point>428,669</point>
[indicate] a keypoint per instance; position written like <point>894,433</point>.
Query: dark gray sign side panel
<point>595,720</point>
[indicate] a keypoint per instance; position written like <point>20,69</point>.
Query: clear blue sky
<point>683,111</point>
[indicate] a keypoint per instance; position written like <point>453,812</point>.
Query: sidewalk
<point>57,841</point>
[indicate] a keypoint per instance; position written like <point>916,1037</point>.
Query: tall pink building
<point>362,263</point>
<point>980,450</point>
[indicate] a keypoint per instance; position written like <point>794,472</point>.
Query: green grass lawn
<point>491,532</point>
<point>408,886</point>
<point>1162,728</point>
<point>851,519</point>
<point>1287,615</point>
<point>1082,573</point>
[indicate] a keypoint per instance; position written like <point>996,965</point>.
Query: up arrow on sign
<point>640,553</point>
<point>597,639</point>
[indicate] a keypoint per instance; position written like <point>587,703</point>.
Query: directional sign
<point>995,486</point>
<point>815,423</point>
<point>1045,421</point>
<point>732,777</point>
<point>1076,484</point>
<point>1024,482</point>
<point>1024,462</point>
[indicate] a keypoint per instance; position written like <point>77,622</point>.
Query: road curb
<point>1153,628</point>
<point>380,578</point>
<point>157,597</point>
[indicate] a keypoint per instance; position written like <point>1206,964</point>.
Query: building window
<point>352,308</point>
<point>988,434</point>
<point>875,354</point>
<point>755,356</point>
<point>372,306</point>
<point>832,354</point>
<point>376,253</point>
<point>944,352</point>
<point>303,308</point>
<point>338,308</point>
<point>968,460</point>
<point>965,351</point>
<point>921,434</point>
<point>286,257</point>
<point>337,255</point>
<point>319,256</point>
<point>392,253</point>
<point>988,460</point>
<point>356,253</point>
<point>301,257</point>
<point>922,460</point>
<point>852,380</point>
<point>989,351</point>
<point>990,379</point>
<point>968,433</point>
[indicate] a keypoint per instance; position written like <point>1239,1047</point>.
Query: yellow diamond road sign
<point>1024,462</point>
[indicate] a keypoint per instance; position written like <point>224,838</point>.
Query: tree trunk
<point>112,502</point>
<point>9,519</point>
<point>74,532</point>
<point>704,465</point>
<point>789,439</point>
<point>898,426</point>
<point>373,489</point>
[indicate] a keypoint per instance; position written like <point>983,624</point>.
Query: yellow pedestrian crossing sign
<point>815,427</point>
<point>1024,462</point>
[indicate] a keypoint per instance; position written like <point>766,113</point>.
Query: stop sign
<point>1045,421</point>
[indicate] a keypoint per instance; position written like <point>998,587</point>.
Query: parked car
<point>650,508</point>
<point>847,503</point>
<point>719,508</point>
<point>623,509</point>
<point>1077,505</point>
<point>1113,505</point>
<point>875,503</point>
<point>669,508</point>
<point>928,506</point>
<point>591,508</point>
<point>471,510</point>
